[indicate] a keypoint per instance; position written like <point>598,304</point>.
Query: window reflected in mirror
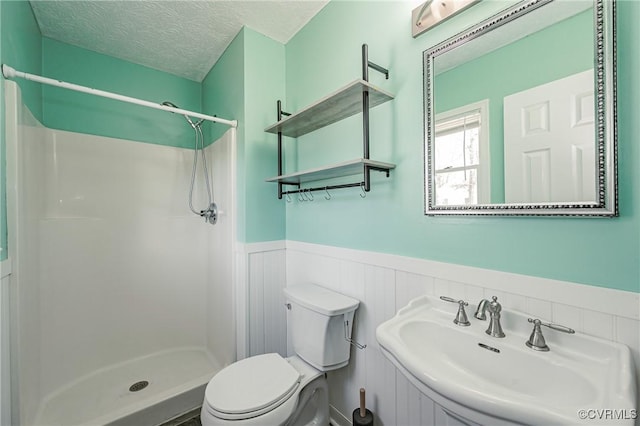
<point>461,149</point>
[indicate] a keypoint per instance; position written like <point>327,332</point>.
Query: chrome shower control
<point>211,214</point>
<point>461,317</point>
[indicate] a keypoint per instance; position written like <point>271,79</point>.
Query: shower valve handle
<point>211,214</point>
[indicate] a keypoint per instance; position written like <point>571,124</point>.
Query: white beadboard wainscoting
<point>265,328</point>
<point>385,283</point>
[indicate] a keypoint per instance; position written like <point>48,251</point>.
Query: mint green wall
<point>245,84</point>
<point>567,45</point>
<point>79,112</point>
<point>21,49</point>
<point>223,91</point>
<point>322,57</point>
<point>628,136</point>
<point>264,84</point>
<point>223,88</point>
<point>325,55</point>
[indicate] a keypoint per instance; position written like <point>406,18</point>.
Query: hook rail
<point>323,188</point>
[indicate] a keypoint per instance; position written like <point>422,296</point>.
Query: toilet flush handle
<point>347,335</point>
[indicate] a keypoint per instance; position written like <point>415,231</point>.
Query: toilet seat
<point>251,387</point>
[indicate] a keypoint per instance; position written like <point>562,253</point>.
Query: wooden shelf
<point>335,107</point>
<point>347,168</point>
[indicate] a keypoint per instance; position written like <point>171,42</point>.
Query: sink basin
<point>500,380</point>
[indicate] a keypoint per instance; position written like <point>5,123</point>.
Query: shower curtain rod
<point>9,72</point>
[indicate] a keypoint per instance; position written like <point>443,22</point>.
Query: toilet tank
<point>317,325</point>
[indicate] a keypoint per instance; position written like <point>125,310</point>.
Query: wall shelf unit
<point>356,97</point>
<point>339,105</point>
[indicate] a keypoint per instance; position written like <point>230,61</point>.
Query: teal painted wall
<point>325,55</point>
<point>567,45</point>
<point>322,57</point>
<point>264,84</point>
<point>21,49</point>
<point>628,137</point>
<point>223,91</point>
<point>78,112</point>
<point>223,88</point>
<point>245,84</point>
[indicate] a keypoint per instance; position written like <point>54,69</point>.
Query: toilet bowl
<point>267,390</point>
<point>270,390</point>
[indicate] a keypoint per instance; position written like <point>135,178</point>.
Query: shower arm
<point>10,73</point>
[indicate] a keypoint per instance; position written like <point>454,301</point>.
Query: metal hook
<point>328,196</point>
<point>310,196</point>
<point>301,196</point>
<point>364,194</point>
<point>288,198</point>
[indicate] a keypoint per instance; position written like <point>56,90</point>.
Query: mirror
<point>520,113</point>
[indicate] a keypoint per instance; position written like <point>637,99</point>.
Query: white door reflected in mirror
<point>549,154</point>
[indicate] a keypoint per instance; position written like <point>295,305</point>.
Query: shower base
<point>176,382</point>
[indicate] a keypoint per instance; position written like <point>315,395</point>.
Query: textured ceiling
<point>184,38</point>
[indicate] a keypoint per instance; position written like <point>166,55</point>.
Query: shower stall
<point>122,300</point>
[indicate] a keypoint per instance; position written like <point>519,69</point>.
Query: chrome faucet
<point>495,329</point>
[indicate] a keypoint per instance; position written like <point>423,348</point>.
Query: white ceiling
<point>181,37</point>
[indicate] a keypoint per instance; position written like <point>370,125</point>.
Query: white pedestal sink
<point>481,379</point>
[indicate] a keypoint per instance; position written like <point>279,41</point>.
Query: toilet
<point>271,390</point>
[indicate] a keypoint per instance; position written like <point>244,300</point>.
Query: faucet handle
<point>461,317</point>
<point>552,326</point>
<point>452,300</point>
<point>536,340</point>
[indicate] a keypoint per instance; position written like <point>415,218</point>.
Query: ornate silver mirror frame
<point>605,117</point>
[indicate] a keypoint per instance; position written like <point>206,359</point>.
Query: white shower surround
<point>110,266</point>
<point>5,378</point>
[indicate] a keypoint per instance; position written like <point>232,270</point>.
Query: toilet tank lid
<point>320,299</point>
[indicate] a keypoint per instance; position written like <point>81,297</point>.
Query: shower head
<point>172,105</point>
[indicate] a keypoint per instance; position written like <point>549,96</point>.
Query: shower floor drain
<point>138,386</point>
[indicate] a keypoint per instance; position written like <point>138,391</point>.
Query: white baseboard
<point>337,418</point>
